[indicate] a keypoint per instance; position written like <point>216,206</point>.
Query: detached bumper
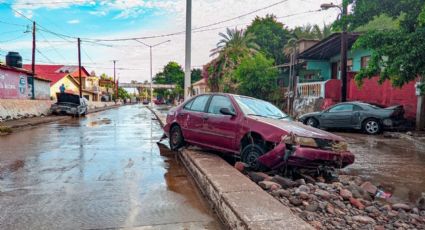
<point>305,157</point>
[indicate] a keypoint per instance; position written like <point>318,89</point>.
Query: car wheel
<point>371,126</point>
<point>176,138</point>
<point>250,154</point>
<point>312,122</point>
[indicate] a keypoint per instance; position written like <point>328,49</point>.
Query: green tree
<point>270,35</point>
<point>171,74</point>
<point>257,77</point>
<point>122,93</point>
<point>195,75</point>
<point>311,32</point>
<point>231,49</point>
<point>398,53</point>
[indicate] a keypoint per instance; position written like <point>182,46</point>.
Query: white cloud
<point>135,56</point>
<point>74,21</point>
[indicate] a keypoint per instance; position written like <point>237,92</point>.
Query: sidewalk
<point>16,125</point>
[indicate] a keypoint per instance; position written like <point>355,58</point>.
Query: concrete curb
<point>239,202</point>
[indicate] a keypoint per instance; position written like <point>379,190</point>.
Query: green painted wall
<point>325,65</point>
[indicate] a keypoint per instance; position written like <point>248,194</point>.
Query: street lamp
<point>150,50</point>
<point>343,9</point>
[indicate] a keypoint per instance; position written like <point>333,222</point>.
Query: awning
<point>329,47</point>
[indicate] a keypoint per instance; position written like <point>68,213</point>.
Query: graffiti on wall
<point>13,85</point>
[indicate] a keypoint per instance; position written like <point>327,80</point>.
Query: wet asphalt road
<point>102,171</point>
<point>395,164</point>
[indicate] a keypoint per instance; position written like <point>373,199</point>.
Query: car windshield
<point>255,107</point>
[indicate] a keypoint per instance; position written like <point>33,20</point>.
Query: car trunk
<point>67,98</point>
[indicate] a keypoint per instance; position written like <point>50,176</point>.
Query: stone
<point>322,185</point>
<point>269,185</point>
<point>240,166</point>
<point>330,209</point>
<point>300,182</point>
<point>339,204</point>
<point>415,210</point>
<point>421,202</point>
<point>386,207</point>
<point>356,203</point>
<point>281,193</point>
<point>346,194</point>
<point>369,187</point>
<point>379,227</point>
<point>302,188</point>
<point>312,207</point>
<point>295,201</point>
<point>322,193</point>
<point>284,182</point>
<point>371,209</point>
<point>308,216</point>
<point>364,219</point>
<point>258,176</point>
<point>316,224</point>
<point>303,195</point>
<point>401,206</point>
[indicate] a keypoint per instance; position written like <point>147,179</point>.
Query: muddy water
<point>395,164</point>
<point>102,171</point>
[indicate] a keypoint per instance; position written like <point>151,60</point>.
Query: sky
<point>60,22</point>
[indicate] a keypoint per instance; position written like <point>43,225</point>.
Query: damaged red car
<point>256,131</point>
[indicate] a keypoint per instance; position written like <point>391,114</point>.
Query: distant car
<point>372,119</point>
<point>70,104</point>
<point>254,130</point>
<point>145,102</point>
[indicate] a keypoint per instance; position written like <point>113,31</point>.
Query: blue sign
<point>22,84</point>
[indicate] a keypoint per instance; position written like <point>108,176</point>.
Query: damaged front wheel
<point>250,154</point>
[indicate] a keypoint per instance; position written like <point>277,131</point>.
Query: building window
<point>350,65</point>
<point>364,61</point>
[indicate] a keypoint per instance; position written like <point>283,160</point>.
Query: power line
<point>54,48</point>
<point>45,57</point>
<point>46,3</point>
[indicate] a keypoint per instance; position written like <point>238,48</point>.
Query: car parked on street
<point>70,104</point>
<point>371,119</point>
<point>256,131</point>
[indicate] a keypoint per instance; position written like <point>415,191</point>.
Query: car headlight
<point>341,146</point>
<point>306,141</point>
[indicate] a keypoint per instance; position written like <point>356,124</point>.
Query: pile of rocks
<point>349,203</point>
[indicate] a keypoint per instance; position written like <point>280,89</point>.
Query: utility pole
<point>33,61</point>
<point>150,58</point>
<point>115,83</point>
<point>343,61</point>
<point>344,52</point>
<point>187,71</point>
<point>79,67</point>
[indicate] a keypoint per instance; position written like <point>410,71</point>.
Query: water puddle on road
<point>103,121</point>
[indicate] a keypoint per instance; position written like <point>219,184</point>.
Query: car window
<point>219,102</point>
<point>199,103</point>
<point>188,105</point>
<point>342,108</point>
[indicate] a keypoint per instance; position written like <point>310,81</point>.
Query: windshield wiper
<point>257,115</point>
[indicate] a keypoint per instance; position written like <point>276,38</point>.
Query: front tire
<point>312,122</point>
<point>250,154</point>
<point>176,138</point>
<point>372,127</point>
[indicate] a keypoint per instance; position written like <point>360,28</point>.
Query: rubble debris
<point>349,203</point>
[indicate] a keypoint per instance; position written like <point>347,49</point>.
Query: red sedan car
<point>256,131</point>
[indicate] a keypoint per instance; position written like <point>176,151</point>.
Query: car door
<point>221,129</point>
<point>339,116</point>
<point>195,120</point>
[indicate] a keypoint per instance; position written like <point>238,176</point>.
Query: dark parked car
<point>256,131</point>
<point>372,119</point>
<point>70,104</point>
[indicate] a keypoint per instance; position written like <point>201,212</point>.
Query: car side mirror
<point>226,111</point>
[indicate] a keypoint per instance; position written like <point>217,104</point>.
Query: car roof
<point>227,94</point>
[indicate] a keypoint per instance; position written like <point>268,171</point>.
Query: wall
<point>306,105</point>
<point>42,90</point>
<point>69,86</point>
<point>384,94</point>
<point>323,66</point>
<point>13,85</point>
<point>18,108</point>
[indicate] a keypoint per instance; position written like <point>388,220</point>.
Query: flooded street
<point>102,171</point>
<point>396,164</point>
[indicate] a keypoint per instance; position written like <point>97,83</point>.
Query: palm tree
<point>233,46</point>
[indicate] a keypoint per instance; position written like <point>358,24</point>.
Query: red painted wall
<point>13,85</point>
<point>384,94</point>
<point>333,90</point>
